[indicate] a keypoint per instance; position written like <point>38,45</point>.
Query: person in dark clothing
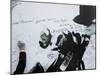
<point>71,51</point>
<point>22,62</point>
<point>78,49</point>
<point>22,58</point>
<point>86,17</point>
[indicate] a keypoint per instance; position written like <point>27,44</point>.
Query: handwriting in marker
<point>50,56</point>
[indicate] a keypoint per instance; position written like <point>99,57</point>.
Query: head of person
<point>45,38</point>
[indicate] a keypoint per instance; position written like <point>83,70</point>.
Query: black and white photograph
<point>52,37</point>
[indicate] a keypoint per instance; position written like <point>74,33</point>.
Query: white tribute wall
<point>30,18</point>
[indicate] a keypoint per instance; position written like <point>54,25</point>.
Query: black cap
<point>86,16</point>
